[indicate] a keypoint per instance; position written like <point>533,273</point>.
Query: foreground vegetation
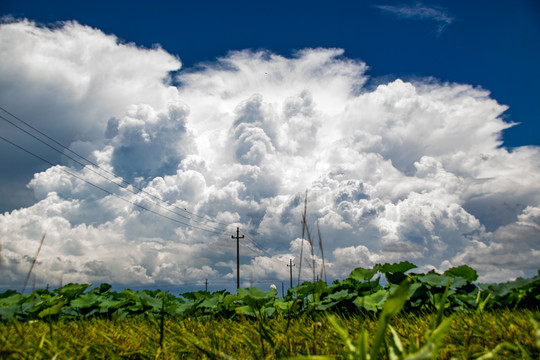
<point>414,316</point>
<point>469,336</point>
<point>360,293</point>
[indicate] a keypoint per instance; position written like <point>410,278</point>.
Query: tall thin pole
<point>291,266</point>
<point>237,237</point>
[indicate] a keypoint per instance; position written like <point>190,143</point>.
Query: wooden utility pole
<point>237,237</point>
<point>291,266</point>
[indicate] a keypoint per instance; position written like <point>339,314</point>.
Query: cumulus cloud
<point>70,80</point>
<point>406,171</point>
<point>502,250</point>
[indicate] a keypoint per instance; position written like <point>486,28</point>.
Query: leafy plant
<point>359,348</point>
<point>359,294</point>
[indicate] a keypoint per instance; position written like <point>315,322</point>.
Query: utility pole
<point>206,285</point>
<point>237,237</point>
<point>291,266</point>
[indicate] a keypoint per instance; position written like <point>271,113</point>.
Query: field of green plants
<point>413,316</point>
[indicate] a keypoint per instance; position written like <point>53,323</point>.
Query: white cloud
<point>80,67</point>
<point>421,12</point>
<point>511,251</point>
<point>69,80</point>
<point>406,171</point>
<point>351,257</point>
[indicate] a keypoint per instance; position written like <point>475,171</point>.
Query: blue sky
<point>491,44</point>
<point>395,117</point>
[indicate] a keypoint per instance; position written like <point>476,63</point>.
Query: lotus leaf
<point>401,267</point>
<point>463,271</point>
<point>71,291</point>
<point>362,274</point>
<point>86,301</point>
<point>373,302</point>
<point>53,310</point>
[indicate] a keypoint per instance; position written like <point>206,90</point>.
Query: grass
<point>470,336</point>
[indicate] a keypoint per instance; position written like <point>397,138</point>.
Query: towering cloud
<point>404,171</point>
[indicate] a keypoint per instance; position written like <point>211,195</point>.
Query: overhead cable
<point>107,191</point>
<point>104,170</point>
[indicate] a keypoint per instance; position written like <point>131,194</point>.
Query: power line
<point>111,181</point>
<point>256,244</point>
<point>108,179</point>
<point>107,191</point>
<point>104,170</point>
<point>262,250</point>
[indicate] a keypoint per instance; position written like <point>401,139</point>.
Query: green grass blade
<point>393,305</point>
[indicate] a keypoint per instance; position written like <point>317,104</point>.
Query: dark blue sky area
<point>491,44</point>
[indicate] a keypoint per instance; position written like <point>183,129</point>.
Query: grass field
<point>472,335</point>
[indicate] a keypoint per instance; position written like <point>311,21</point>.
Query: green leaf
<point>7,293</point>
<point>111,304</point>
<point>257,294</point>
<point>513,292</point>
<point>396,301</point>
<point>196,295</point>
<point>269,312</point>
<point>284,305</point>
<point>229,299</point>
<point>186,308</point>
<point>150,302</point>
<point>10,312</point>
<point>12,299</point>
<point>362,345</point>
<point>303,290</point>
<point>210,303</point>
<point>128,294</point>
<point>536,324</point>
<point>393,305</point>
<point>395,278</point>
<point>71,291</point>
<point>255,297</point>
<point>442,329</point>
<point>463,271</point>
<point>245,310</point>
<point>102,289</point>
<point>459,282</point>
<point>53,310</point>
<point>320,306</point>
<point>373,302</point>
<point>396,349</point>
<point>362,274</point>
<point>85,301</point>
<point>401,267</point>
<point>342,332</point>
<point>434,279</point>
<point>340,295</point>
